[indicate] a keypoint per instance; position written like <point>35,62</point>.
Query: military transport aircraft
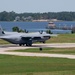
<point>23,38</point>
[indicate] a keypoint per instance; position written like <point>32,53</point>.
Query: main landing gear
<point>21,44</point>
<point>26,44</point>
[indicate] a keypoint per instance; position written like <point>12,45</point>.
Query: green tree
<point>15,29</point>
<point>49,32</point>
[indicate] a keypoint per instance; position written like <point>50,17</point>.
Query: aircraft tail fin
<point>1,31</point>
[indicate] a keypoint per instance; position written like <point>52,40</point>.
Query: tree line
<point>17,29</point>
<point>65,16</point>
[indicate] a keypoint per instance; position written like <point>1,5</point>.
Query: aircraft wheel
<point>28,44</point>
<point>23,44</point>
<point>20,44</point>
<point>43,41</point>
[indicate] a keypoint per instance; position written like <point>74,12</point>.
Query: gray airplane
<point>24,38</point>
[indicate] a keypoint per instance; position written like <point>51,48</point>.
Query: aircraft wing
<point>31,36</point>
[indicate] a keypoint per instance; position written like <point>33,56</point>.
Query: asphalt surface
<point>5,49</point>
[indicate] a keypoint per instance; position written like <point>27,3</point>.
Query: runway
<point>5,49</point>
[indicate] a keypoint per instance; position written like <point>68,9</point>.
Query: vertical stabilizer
<point>1,31</point>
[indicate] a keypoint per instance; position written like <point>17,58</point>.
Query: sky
<point>37,6</point>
